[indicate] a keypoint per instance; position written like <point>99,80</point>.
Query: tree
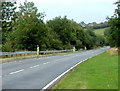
<point>29,29</point>
<point>117,11</point>
<point>114,22</point>
<point>8,16</point>
<point>65,29</point>
<point>89,38</point>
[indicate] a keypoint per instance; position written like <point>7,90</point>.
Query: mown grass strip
<point>99,72</point>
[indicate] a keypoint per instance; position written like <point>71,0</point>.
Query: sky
<point>79,10</point>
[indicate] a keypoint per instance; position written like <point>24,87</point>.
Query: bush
<point>7,47</point>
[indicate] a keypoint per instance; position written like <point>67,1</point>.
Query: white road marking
<point>46,63</point>
<point>34,66</point>
<point>16,71</point>
<point>53,81</point>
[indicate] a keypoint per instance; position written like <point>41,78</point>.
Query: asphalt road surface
<point>35,73</point>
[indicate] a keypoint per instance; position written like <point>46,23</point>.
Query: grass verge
<point>99,72</point>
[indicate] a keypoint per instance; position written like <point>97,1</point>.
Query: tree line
<point>25,28</point>
<point>95,25</point>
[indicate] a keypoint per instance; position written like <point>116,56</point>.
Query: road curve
<point>36,73</point>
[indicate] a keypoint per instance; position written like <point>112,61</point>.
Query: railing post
<point>38,50</point>
<point>73,48</point>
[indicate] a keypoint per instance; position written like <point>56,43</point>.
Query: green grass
<point>100,72</point>
<point>100,31</point>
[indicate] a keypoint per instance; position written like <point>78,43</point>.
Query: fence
<point>10,54</point>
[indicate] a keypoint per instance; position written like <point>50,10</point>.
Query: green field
<point>100,72</point>
<point>100,31</point>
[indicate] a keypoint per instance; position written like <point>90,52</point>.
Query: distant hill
<point>100,31</point>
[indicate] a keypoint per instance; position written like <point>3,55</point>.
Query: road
<point>36,73</point>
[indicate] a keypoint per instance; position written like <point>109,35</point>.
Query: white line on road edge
<point>34,66</point>
<point>52,82</point>
<point>16,71</point>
